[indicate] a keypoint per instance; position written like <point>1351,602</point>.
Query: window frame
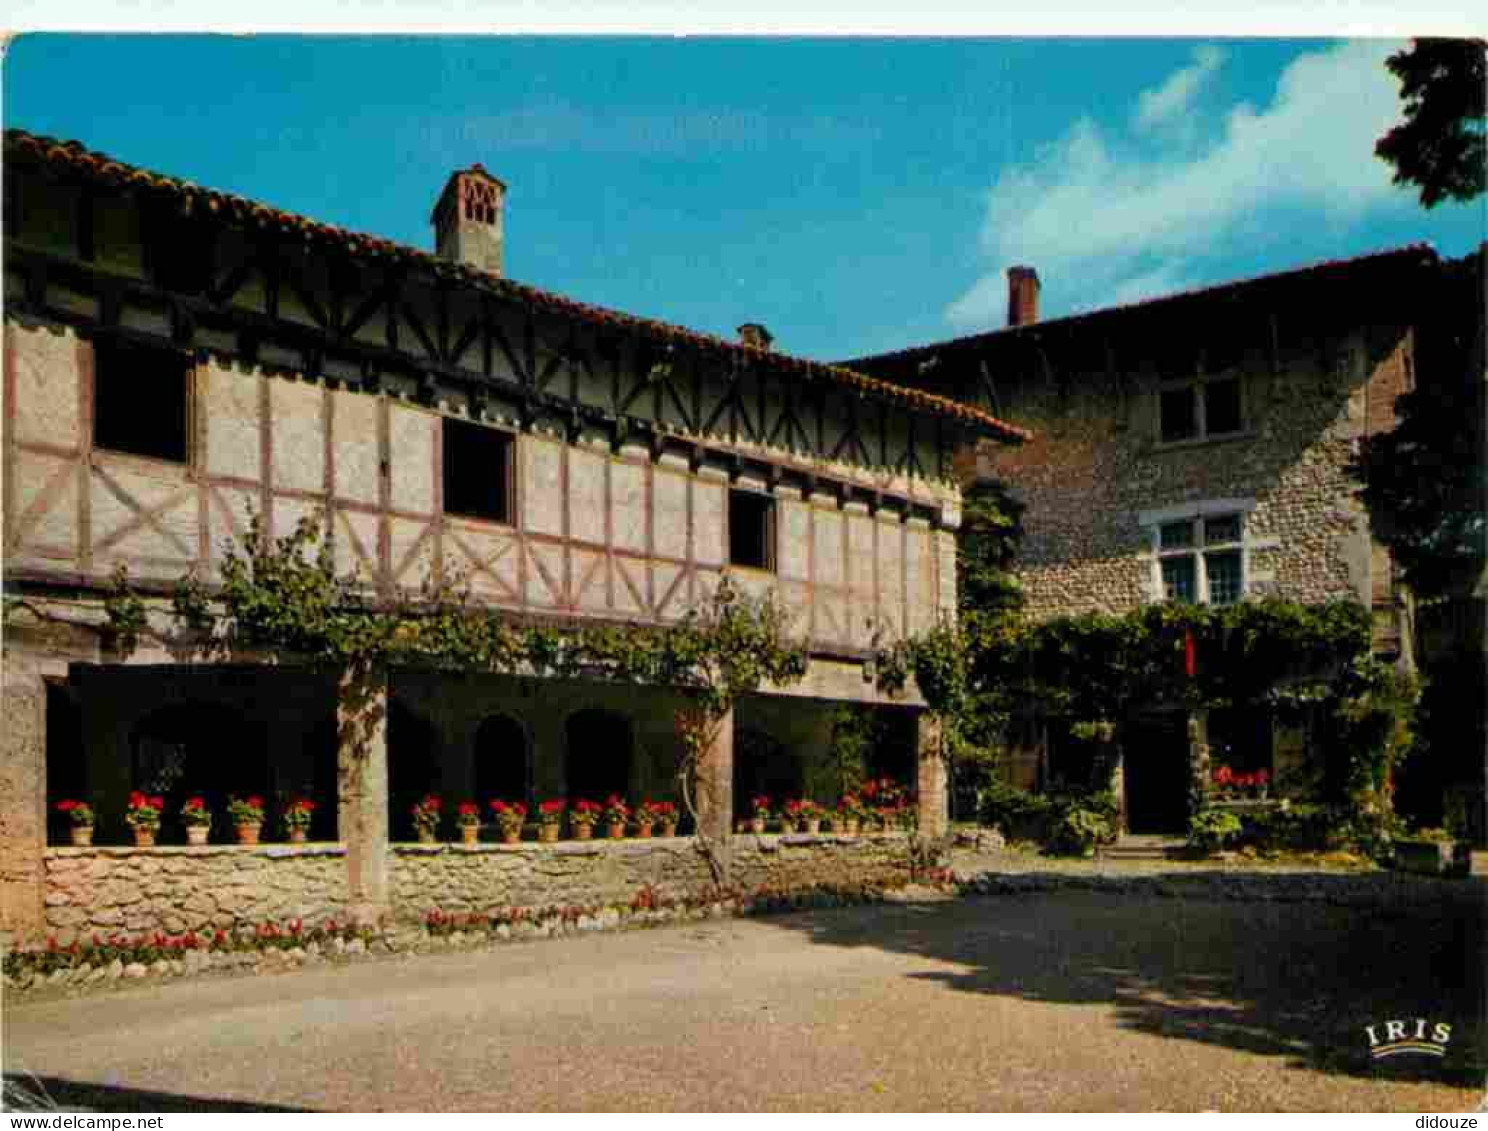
<point>1199,384</point>
<point>105,344</point>
<point>507,439</point>
<point>771,516</point>
<point>1198,550</point>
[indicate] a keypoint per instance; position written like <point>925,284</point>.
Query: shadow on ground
<point>44,1094</point>
<point>1297,979</point>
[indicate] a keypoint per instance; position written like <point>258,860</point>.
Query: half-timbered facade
<point>178,359</point>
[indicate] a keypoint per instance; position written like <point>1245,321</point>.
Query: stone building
<point>1192,447</point>
<point>177,359</point>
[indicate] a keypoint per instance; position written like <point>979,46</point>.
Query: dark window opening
<point>139,399</point>
<point>751,530</point>
<point>477,471</point>
<point>1178,414</point>
<point>1221,407</point>
<point>180,253</point>
<point>598,755</point>
<point>503,770</point>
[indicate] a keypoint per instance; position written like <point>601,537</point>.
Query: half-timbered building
<point>179,359</point>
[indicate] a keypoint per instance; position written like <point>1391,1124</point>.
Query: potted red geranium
<point>582,817</point>
<point>80,820</point>
<point>143,816</point>
<point>616,813</point>
<point>549,819</point>
<point>426,819</point>
<point>761,807</point>
<point>645,817</point>
<point>511,815</point>
<point>468,820</point>
<point>296,818</point>
<point>198,820</point>
<point>666,817</point>
<point>247,816</point>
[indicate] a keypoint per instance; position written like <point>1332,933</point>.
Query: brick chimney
<point>1023,295</point>
<point>754,334</point>
<point>468,222</point>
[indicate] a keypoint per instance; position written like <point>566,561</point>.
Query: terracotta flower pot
<point>248,834</point>
<point>197,834</point>
<point>757,824</point>
<point>813,825</point>
<point>144,838</point>
<point>298,835</point>
<point>546,833</point>
<point>512,836</point>
<point>643,832</point>
<point>469,834</point>
<point>583,832</point>
<point>426,836</point>
<point>669,828</point>
<point>82,836</point>
<point>617,830</point>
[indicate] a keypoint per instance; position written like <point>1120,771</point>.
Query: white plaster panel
<point>228,510</point>
<point>232,414</point>
<point>918,580</point>
<point>586,495</point>
<point>792,532</point>
<point>355,461</point>
<point>589,580</point>
<point>669,520</point>
<point>55,526</point>
<point>544,574</point>
<point>827,552</point>
<point>671,594</point>
<point>709,509</point>
<point>47,408</point>
<point>411,458</point>
<point>541,484</point>
<point>628,506</point>
<point>355,545</point>
<point>626,600</point>
<point>410,552</point>
<point>297,419</point>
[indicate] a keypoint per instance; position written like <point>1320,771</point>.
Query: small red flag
<point>1190,654</point>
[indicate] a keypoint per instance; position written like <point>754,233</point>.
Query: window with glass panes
<point>1200,408</point>
<point>1202,559</point>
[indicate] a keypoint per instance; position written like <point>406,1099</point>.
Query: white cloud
<point>1098,219</point>
<point>1168,103</point>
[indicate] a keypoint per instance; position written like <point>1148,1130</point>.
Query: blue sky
<point>854,195</point>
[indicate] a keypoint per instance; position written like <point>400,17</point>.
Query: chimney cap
<point>755,334</point>
<point>1022,271</point>
<point>476,170</point>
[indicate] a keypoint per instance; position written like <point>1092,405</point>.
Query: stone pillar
<point>1199,786</point>
<point>714,787</point>
<point>933,785</point>
<point>362,776</point>
<point>23,826</point>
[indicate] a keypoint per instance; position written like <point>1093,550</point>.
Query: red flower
<point>136,800</point>
<point>550,806</point>
<point>516,808</point>
<point>256,802</point>
<point>66,806</point>
<point>469,809</point>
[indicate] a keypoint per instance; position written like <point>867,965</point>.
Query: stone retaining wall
<point>457,878</point>
<point>108,890</point>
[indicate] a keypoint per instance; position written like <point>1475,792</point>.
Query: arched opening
<point>764,767</point>
<point>198,749</point>
<point>597,754</point>
<point>413,761</point>
<point>503,763</point>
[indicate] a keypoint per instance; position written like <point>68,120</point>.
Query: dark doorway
<point>597,755</point>
<point>66,763</point>
<point>503,769</point>
<point>1155,761</point>
<point>763,767</point>
<point>205,750</point>
<point>413,761</point>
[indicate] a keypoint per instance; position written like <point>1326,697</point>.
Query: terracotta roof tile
<point>76,158</point>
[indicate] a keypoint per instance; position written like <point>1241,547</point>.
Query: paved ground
<point>1073,1000</point>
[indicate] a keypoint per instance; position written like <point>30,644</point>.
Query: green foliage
<point>1078,830</point>
<point>1211,830</point>
<point>986,548</point>
<point>125,612</point>
<point>1440,146</point>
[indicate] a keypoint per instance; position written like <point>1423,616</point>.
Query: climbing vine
<point>282,598</point>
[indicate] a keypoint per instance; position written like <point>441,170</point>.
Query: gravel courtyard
<point>1168,999</point>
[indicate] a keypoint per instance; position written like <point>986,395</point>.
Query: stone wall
<point>1096,463</point>
<point>456,878</point>
<point>174,890</point>
<point>108,890</point>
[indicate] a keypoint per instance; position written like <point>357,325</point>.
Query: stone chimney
<point>754,334</point>
<point>468,222</point>
<point>1023,296</point>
